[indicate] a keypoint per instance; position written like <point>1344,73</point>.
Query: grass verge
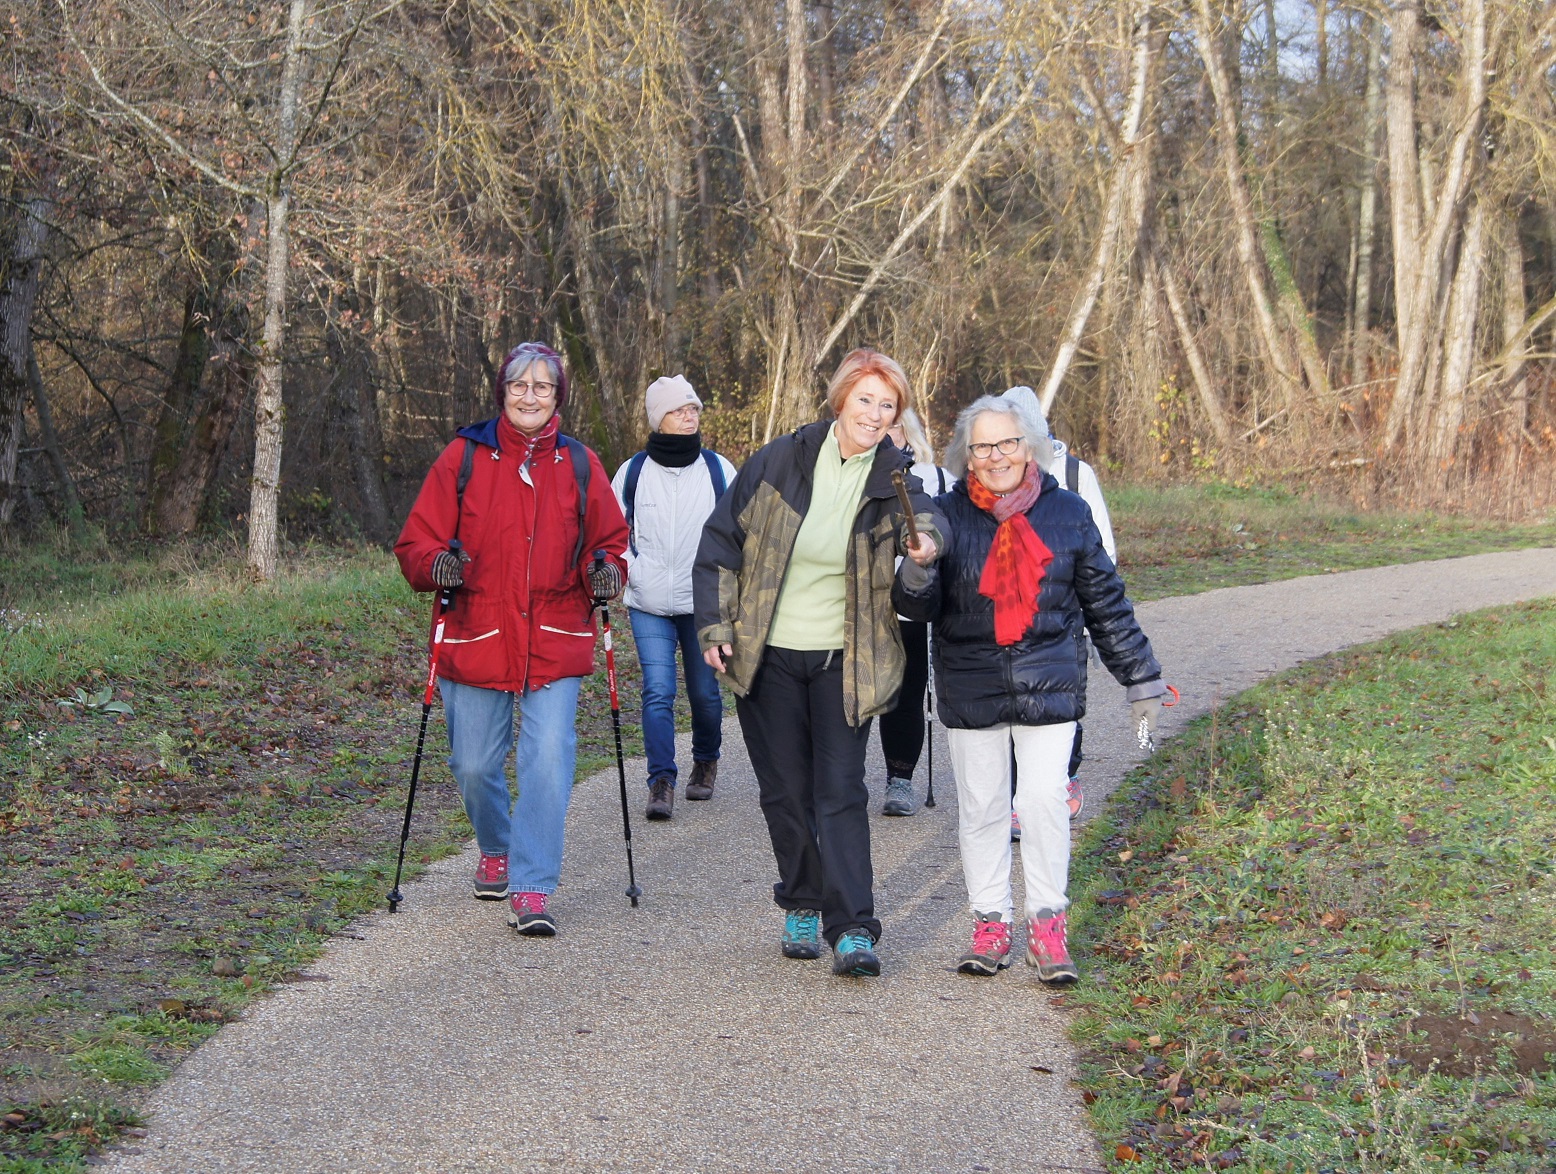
<point>162,867</point>
<point>1177,540</point>
<point>1321,919</point>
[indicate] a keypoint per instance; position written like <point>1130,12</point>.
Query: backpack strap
<point>629,492</point>
<point>1072,472</point>
<point>940,477</point>
<point>716,472</point>
<point>580,455</point>
<point>466,467</point>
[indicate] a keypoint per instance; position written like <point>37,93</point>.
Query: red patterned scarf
<point>1013,572</point>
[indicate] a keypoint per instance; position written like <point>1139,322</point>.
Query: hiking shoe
<point>491,878</point>
<point>661,797</point>
<point>1076,798</point>
<point>802,934</point>
<point>990,951</point>
<point>899,797</point>
<point>1047,948</point>
<point>700,785</point>
<point>854,953</point>
<point>527,914</point>
<point>1015,828</point>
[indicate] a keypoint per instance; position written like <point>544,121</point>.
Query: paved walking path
<point>674,1036</point>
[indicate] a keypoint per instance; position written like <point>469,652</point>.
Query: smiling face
<point>529,399</point>
<point>870,409</point>
<point>1000,472</point>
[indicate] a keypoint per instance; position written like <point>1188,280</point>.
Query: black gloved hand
<point>605,581</point>
<point>448,569</point>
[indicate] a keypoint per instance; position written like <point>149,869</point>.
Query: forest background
<point>259,260</point>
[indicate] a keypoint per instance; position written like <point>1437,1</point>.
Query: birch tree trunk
<point>1245,227</point>
<point>1423,270</point>
<point>264,486</point>
<point>1367,214</point>
<point>1130,170</point>
<point>1514,374</point>
<point>1459,345</point>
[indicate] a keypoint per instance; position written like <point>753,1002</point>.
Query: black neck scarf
<point>674,451</point>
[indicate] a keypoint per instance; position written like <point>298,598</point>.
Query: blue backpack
<point>630,489</point>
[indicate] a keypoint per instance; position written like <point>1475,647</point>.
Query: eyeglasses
<point>685,410</point>
<point>518,390</point>
<point>1006,447</point>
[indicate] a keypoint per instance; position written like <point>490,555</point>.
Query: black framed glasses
<point>1007,447</point>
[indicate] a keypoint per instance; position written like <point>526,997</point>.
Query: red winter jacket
<point>522,618</point>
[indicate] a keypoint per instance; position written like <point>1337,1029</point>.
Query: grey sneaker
<point>899,797</point>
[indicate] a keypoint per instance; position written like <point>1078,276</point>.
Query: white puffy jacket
<point>670,509</point>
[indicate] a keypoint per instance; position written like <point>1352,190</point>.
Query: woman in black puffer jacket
<point>1023,576</point>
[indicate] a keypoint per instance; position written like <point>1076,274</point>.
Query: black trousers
<point>809,767</point>
<point>902,730</point>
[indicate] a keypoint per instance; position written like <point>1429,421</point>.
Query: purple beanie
<point>517,361</point>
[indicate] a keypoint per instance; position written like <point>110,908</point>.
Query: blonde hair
<point>860,364</point>
<point>913,431</point>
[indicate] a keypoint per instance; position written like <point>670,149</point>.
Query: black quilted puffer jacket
<point>1041,679</point>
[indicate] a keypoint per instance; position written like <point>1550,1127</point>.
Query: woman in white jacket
<point>667,492</point>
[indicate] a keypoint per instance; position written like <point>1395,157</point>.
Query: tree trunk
<point>1245,225</point>
<point>1367,214</point>
<point>18,298</point>
<point>1459,346</point>
<point>264,493</point>
<point>1423,272</point>
<point>1515,309</point>
<point>1204,384</point>
<point>70,500</point>
<point>1130,171</point>
<point>357,401</point>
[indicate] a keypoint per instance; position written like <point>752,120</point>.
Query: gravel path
<point>674,1036</point>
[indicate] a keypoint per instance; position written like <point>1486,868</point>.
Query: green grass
<point>1346,867</point>
<point>162,868</point>
<point>1177,540</point>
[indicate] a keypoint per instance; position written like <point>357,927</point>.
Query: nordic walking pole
<point>440,611</point>
<point>929,713</point>
<point>633,892</point>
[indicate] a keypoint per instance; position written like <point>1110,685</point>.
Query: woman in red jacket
<point>522,624</point>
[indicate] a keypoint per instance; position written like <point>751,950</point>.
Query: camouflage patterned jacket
<point>745,552</point>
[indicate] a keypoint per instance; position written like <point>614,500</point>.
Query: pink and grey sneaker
<point>1015,828</point>
<point>1047,948</point>
<point>1075,798</point>
<point>990,951</point>
<point>527,914</point>
<point>491,878</point>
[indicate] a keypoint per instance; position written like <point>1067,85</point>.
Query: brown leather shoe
<point>700,785</point>
<point>661,798</point>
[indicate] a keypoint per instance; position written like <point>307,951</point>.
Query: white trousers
<point>981,760</point>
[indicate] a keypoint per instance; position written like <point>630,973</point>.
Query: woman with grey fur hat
<point>667,492</point>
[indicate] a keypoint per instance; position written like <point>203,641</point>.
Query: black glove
<point>448,569</point>
<point>605,581</point>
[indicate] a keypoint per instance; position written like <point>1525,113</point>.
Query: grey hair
<point>1033,434</point>
<point>913,430</point>
<point>523,358</point>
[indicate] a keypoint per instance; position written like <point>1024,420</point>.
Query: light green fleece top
<point>809,616</point>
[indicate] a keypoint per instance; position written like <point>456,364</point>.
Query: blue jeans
<point>480,734</point>
<point>657,638</point>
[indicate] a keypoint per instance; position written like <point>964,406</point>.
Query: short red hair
<point>860,364</point>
